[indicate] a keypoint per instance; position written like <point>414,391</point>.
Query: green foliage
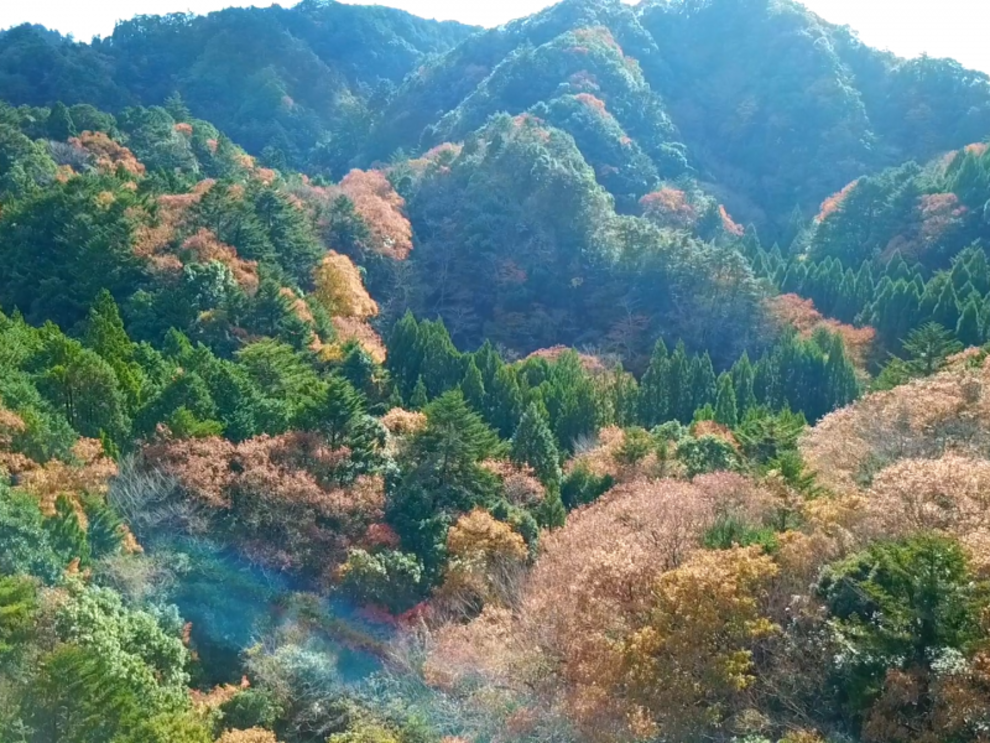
<point>706,454</point>
<point>730,531</point>
<point>392,580</point>
<point>27,546</point>
<point>899,606</point>
<point>250,708</point>
<point>18,605</point>
<point>581,486</point>
<point>533,445</point>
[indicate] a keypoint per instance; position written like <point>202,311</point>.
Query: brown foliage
<point>923,419</point>
<point>522,487</point>
<point>585,604</point>
<point>89,473</point>
<point>282,493</point>
<point>352,329</point>
<point>381,209</point>
<point>401,422</point>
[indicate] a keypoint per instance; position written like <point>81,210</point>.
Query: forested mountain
<point>619,374</point>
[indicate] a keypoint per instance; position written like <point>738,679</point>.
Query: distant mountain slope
<point>761,103</point>
<point>291,79</point>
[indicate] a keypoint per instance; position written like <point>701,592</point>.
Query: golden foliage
<point>381,208</point>
<point>340,288</point>
<point>486,560</point>
<point>89,473</point>
<point>689,667</point>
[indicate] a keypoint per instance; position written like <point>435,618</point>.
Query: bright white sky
<point>942,28</point>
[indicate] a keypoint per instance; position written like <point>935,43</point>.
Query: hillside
<point>620,374</point>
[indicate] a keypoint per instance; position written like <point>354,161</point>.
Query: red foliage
<point>184,128</point>
<point>204,247</point>
<point>940,213</point>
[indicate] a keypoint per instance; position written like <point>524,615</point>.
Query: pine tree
<point>473,387</point>
<point>946,311</point>
<point>725,406</point>
<point>969,330</point>
<point>333,412</point>
<point>404,356</point>
<point>841,382</point>
<point>681,406</point>
<point>533,444</point>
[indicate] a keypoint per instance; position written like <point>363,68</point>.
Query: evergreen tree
<point>969,330</point>
<point>334,412</point>
<point>704,384</point>
<point>473,387</point>
<point>725,405</point>
<point>654,406</point>
<point>928,347</point>
<point>505,402</point>
<point>742,380</point>
<point>66,535</point>
<point>60,126</point>
<point>533,445</point>
<point>419,399</point>
<point>681,406</point>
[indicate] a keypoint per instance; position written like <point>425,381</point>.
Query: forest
<point>617,375</point>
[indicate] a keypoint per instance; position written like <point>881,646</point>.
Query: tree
<point>533,445</point>
<point>725,404</point>
<point>707,454</point>
<point>969,330</point>
<point>898,606</point>
<point>60,126</point>
<point>473,387</point>
<point>334,412</point>
<point>928,347</point>
<point>654,395</point>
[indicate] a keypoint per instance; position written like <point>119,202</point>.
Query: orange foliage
<point>669,206</point>
<point>381,208</point>
<point>204,247</point>
<point>977,149</point>
<point>110,157</point>
<point>90,472</point>
<point>340,288</point>
<point>728,225</point>
<point>592,102</point>
<point>598,34</point>
<point>790,310</point>
<point>832,204</point>
<point>299,307</point>
<point>184,128</point>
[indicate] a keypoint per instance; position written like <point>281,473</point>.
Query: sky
<point>942,28</point>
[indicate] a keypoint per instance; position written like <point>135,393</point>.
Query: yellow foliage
<point>340,289</point>
<point>254,735</point>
